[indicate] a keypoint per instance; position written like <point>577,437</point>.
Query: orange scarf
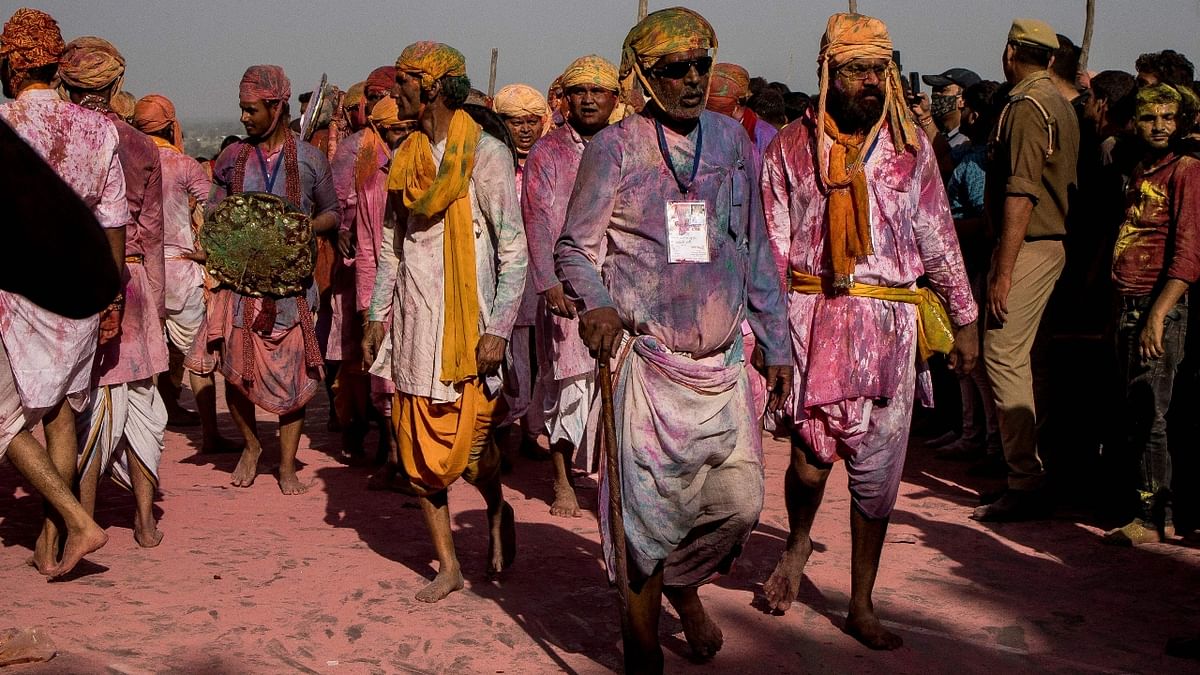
<point>849,211</point>
<point>431,190</point>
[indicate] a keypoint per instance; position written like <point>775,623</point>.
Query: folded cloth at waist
<point>136,259</point>
<point>935,334</point>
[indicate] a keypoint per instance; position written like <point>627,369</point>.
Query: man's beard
<point>855,114</point>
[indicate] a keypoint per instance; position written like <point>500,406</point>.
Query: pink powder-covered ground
<point>250,581</point>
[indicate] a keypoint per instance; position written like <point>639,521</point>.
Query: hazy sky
<point>195,51</point>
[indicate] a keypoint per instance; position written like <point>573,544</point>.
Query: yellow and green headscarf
<point>664,32</point>
<point>433,60</point>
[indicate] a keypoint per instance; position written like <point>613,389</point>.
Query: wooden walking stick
<point>854,6</point>
<point>1087,35</point>
<point>643,9</point>
<point>492,77</point>
<point>616,517</point>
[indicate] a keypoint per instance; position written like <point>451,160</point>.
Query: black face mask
<point>941,105</point>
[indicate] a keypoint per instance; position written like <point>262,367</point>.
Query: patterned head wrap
<point>728,87</point>
<point>433,61</point>
<point>590,70</point>
<point>31,39</point>
<point>664,32</point>
<point>519,100</point>
<point>154,113</point>
<point>383,77</point>
<point>90,63</point>
<point>265,83</point>
<point>386,113</point>
<point>354,95</point>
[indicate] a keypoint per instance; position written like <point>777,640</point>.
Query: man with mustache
<point>856,212</point>
<point>1156,260</point>
<point>664,253</point>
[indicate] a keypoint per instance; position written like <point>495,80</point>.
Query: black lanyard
<point>662,145</point>
<point>268,177</point>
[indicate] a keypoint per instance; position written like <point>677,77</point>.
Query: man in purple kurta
<point>566,369</point>
<point>122,431</point>
<point>665,252</point>
<point>855,217</point>
<point>46,359</point>
<point>267,348</point>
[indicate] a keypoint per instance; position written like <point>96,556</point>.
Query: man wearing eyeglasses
<point>853,225</point>
<point>664,253</point>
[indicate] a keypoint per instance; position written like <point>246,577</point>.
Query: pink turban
<point>265,83</point>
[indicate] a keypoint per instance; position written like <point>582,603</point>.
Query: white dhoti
<point>182,324</point>
<point>12,413</point>
<point>125,423</point>
<point>570,411</point>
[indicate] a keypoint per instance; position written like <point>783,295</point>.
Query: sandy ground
<point>251,581</point>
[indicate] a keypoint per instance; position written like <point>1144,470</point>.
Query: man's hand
<point>489,353</point>
<point>601,330</point>
<point>997,295</point>
<point>920,109</point>
<point>199,256</point>
<point>779,384</point>
<point>110,323</point>
<point>557,302</point>
<point>345,243</point>
<point>966,348</point>
<point>373,334</point>
<point>1150,342</point>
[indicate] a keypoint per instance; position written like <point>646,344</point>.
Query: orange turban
<point>89,63</point>
<point>265,83</point>
<point>385,113</point>
<point>728,86</point>
<point>433,61</point>
<point>153,113</point>
<point>31,39</point>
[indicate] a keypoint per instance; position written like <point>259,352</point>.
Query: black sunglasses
<point>680,69</point>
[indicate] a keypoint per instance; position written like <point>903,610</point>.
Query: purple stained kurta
<point>52,356</point>
<point>140,351</point>
<point>851,351</point>
<point>613,248</point>
<point>549,177</point>
<point>184,182</point>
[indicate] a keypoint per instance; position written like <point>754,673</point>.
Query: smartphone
<point>914,88</point>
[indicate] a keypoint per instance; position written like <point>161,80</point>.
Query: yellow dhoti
<point>439,442</point>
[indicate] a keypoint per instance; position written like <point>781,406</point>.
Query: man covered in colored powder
<point>856,213</point>
<point>566,367</point>
<point>46,359</point>
<point>451,274</point>
<point>1155,262</point>
<point>728,90</point>
<point>667,307</point>
<point>266,348</point>
<point>122,431</point>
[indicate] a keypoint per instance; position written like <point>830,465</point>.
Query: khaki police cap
<point>1034,33</point>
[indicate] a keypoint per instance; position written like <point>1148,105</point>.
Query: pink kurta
<point>51,355</point>
<point>184,182</point>
<point>140,351</point>
<point>549,176</point>
<point>855,353</point>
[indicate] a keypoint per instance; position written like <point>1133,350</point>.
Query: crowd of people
<point>737,255</point>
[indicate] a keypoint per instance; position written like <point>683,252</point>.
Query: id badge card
<point>687,232</point>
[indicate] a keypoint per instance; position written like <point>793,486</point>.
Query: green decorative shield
<point>258,245</point>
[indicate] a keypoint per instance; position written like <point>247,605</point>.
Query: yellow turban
<point>519,100</point>
<point>854,36</point>
<point>664,32</point>
<point>385,113</point>
<point>123,104</point>
<point>433,60</point>
<point>590,70</point>
<point>354,95</point>
<point>91,63</point>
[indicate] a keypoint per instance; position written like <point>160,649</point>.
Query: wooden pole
<point>1086,47</point>
<point>492,76</point>
<point>616,514</point>
<point>643,9</point>
<point>854,6</point>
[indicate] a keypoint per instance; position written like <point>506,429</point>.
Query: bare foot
<point>445,583</point>
<point>565,504</point>
<point>866,628</point>
<point>289,484</point>
<point>501,556</point>
<point>45,554</point>
<point>247,468</point>
<point>703,635</point>
<point>79,543</point>
<point>148,538</point>
<point>783,586</point>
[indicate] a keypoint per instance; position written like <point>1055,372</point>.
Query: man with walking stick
<point>664,249</point>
